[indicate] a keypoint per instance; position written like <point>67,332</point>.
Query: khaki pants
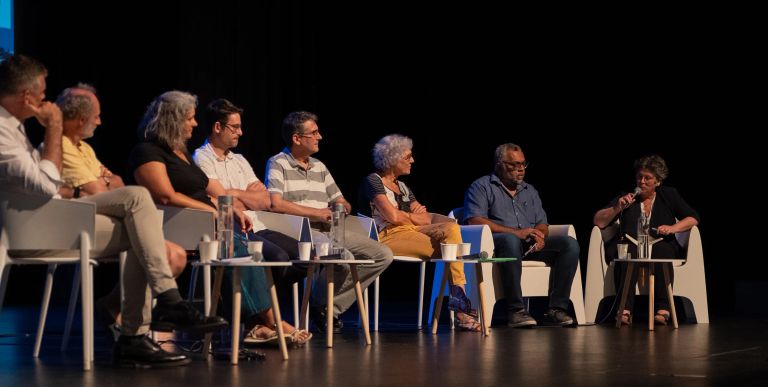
<point>127,220</point>
<point>424,241</point>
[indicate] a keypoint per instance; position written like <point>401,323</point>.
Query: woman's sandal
<point>459,302</point>
<point>298,337</point>
<point>662,317</point>
<point>465,322</point>
<point>626,317</point>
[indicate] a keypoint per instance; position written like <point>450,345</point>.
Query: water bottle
<point>225,227</point>
<point>338,229</point>
<point>643,247</point>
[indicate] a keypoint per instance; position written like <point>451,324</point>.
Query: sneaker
<point>143,352</point>
<point>557,316</point>
<point>520,319</point>
<point>182,316</point>
<point>318,317</point>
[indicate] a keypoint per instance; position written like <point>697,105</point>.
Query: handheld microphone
<point>636,191</point>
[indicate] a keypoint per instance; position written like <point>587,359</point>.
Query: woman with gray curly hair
<point>668,214</point>
<point>404,224</point>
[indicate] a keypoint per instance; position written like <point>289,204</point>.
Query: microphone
<point>636,191</point>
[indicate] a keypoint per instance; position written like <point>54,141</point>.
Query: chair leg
<point>375,305</point>
<point>422,270</point>
<point>44,309</point>
<point>74,293</point>
<point>296,305</point>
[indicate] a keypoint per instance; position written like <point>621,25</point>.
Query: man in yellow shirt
<point>81,111</point>
<point>82,170</point>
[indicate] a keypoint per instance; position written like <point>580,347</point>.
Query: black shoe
<point>319,318</point>
<point>142,352</point>
<point>520,319</point>
<point>182,316</point>
<point>557,316</point>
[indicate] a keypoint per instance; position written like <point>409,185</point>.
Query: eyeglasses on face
<point>314,133</point>
<point>408,157</point>
<point>235,128</point>
<point>515,164</point>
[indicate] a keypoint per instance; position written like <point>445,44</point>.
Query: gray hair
<point>389,150</point>
<point>655,164</point>
<point>164,119</point>
<point>75,105</point>
<point>19,72</point>
<point>502,149</point>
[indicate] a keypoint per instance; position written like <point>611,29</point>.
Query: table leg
<point>670,294</point>
<point>624,291</point>
<point>276,311</point>
<point>214,305</point>
<point>303,323</point>
<point>236,295</point>
<point>481,296</point>
<point>439,303</point>
<point>651,295</point>
<point>329,306</point>
<point>361,306</point>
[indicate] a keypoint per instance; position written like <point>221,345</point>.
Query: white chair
<point>535,276</point>
<point>31,222</point>
<point>296,227</point>
<point>689,275</point>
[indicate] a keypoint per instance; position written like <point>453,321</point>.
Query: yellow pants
<point>424,242</point>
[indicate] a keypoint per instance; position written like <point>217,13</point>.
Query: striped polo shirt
<point>313,187</point>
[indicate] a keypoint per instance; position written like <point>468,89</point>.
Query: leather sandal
<point>467,323</point>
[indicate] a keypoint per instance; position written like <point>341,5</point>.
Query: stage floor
<point>731,352</point>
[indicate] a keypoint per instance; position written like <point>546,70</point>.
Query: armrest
<point>562,230</point>
<point>294,226</point>
<point>33,222</point>
<point>187,226</point>
<point>480,237</point>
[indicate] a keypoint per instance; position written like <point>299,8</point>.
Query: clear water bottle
<point>337,233</point>
<point>643,246</point>
<point>225,227</point>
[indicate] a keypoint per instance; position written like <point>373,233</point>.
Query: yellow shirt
<point>80,165</point>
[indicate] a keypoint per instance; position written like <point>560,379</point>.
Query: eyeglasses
<point>515,164</point>
<point>234,128</point>
<point>408,157</point>
<point>314,133</point>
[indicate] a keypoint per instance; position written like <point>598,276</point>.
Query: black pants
<point>279,247</point>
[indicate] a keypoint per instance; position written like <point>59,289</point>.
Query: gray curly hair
<point>74,105</point>
<point>389,150</point>
<point>164,119</point>
<point>655,164</point>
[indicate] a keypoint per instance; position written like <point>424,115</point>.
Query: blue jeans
<point>561,253</point>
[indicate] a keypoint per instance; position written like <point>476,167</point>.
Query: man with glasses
<point>232,173</point>
<point>512,209</point>
<point>302,185</point>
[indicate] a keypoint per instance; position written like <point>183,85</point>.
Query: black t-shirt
<point>186,178</point>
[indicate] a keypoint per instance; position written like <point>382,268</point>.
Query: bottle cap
<point>225,199</point>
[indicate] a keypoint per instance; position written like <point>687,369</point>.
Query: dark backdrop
<point>584,96</point>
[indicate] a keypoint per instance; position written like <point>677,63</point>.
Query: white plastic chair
<point>689,276</point>
<point>31,222</point>
<point>534,279</point>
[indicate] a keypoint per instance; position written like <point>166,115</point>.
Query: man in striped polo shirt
<point>302,185</point>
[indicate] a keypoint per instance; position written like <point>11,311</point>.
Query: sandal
<point>298,337</point>
<point>467,323</point>
<point>626,317</point>
<point>459,302</point>
<point>662,317</point>
<point>260,335</point>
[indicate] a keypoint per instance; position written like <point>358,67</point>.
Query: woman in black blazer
<point>669,214</point>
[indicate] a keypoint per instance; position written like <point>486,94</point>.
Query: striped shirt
<point>313,187</point>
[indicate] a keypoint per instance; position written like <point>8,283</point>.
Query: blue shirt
<point>488,198</point>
